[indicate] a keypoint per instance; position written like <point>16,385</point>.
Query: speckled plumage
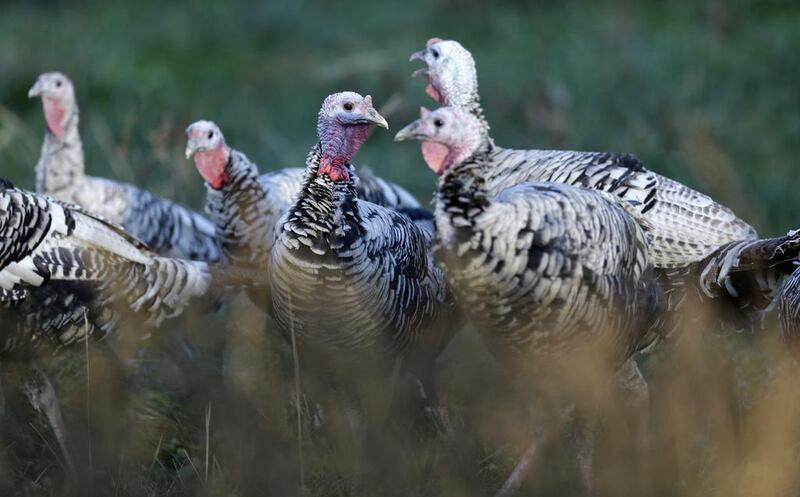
<point>544,268</point>
<point>57,262</point>
<point>57,314</point>
<point>686,225</point>
<point>168,228</point>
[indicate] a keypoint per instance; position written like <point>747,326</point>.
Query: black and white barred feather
<point>544,268</point>
<point>55,315</point>
<point>60,254</point>
<point>789,309</point>
<point>737,283</point>
<point>687,225</point>
<point>352,276</point>
<point>246,210</point>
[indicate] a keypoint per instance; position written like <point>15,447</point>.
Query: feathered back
<point>545,268</point>
<point>44,241</point>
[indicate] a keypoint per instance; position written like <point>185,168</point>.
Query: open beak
<point>36,90</point>
<point>422,71</point>
<point>410,132</point>
<point>374,118</point>
<point>417,56</point>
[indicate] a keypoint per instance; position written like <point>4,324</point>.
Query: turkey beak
<point>36,89</point>
<point>417,56</point>
<point>422,71</point>
<point>410,132</point>
<point>191,147</point>
<point>376,119</point>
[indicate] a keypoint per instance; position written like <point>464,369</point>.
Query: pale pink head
<point>342,127</point>
<point>452,77</point>
<point>58,100</point>
<point>206,144</point>
<point>449,136</point>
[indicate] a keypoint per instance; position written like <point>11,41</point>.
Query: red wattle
<point>53,114</point>
<point>434,93</point>
<point>435,155</point>
<point>211,165</point>
<point>336,172</point>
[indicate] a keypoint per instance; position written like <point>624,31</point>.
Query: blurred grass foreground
<point>705,92</point>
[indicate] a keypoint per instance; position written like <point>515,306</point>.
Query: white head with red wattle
<point>449,136</point>
<point>206,144</point>
<point>450,69</point>
<point>58,100</point>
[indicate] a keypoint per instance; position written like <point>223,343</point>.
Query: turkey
<point>353,282</point>
<point>687,225</point>
<point>165,227</point>
<point>552,274</point>
<point>689,232</point>
<point>66,275</point>
<point>246,207</point>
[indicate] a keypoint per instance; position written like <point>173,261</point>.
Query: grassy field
<point>704,92</point>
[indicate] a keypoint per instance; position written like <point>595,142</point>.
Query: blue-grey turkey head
<point>343,126</point>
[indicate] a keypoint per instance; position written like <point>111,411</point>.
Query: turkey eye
<point>438,123</point>
<point>435,53</point>
<point>58,83</point>
<point>348,106</point>
<point>210,135</point>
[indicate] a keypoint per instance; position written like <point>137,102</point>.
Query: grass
<point>704,92</point>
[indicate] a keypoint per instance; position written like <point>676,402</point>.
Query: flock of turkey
<point>551,255</point>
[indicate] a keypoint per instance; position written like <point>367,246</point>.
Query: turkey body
<point>544,268</point>
<point>62,268</point>
<point>687,225</point>
<point>356,280</point>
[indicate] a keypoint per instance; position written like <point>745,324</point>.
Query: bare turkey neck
<point>339,146</point>
<point>61,165</point>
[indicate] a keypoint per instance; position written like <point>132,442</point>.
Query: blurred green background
<point>706,92</point>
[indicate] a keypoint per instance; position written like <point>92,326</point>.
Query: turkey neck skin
<point>60,169</point>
